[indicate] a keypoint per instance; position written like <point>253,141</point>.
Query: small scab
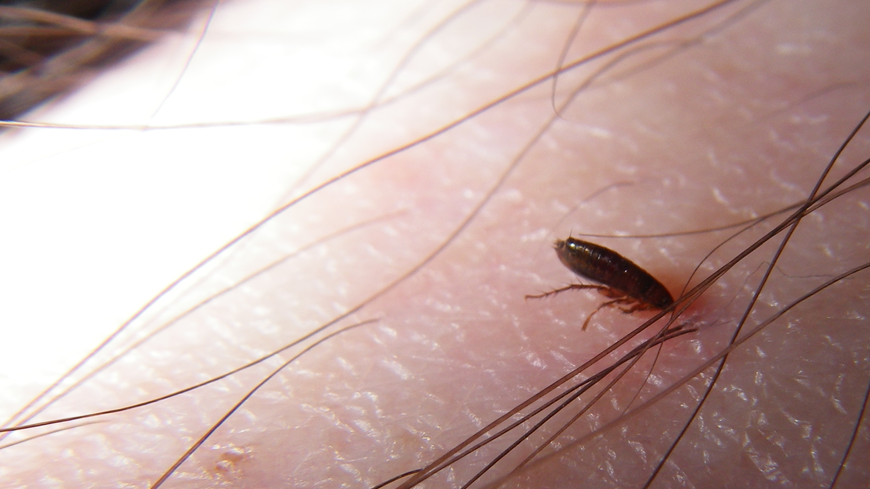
<point>630,287</point>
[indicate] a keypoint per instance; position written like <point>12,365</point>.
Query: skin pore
<point>730,115</point>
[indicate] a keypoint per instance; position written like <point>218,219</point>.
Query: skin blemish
<point>630,287</point>
<point>229,463</point>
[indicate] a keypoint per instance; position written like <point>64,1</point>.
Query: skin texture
<point>713,122</point>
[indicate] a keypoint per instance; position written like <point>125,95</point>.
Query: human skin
<point>458,230</point>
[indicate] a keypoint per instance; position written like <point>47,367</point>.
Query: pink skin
<point>731,127</point>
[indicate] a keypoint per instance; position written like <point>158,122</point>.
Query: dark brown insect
<point>624,282</point>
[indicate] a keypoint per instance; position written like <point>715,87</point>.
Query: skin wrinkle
<point>728,127</point>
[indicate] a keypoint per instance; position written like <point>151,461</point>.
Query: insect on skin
<point>622,280</point>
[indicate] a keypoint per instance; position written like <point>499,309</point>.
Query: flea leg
<point>569,287</point>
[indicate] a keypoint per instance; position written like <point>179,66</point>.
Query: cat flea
<point>630,287</point>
